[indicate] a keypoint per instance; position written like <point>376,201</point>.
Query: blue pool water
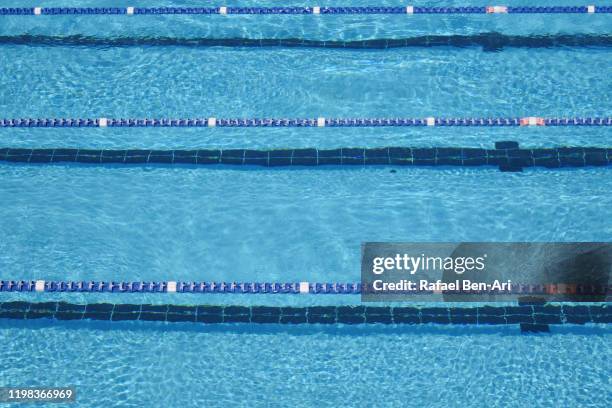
<point>227,82</point>
<point>75,222</point>
<point>274,225</point>
<point>362,367</point>
<point>309,27</point>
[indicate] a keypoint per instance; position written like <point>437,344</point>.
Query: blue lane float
<point>309,10</point>
<point>506,155</point>
<point>529,317</point>
<point>352,288</point>
<point>320,122</point>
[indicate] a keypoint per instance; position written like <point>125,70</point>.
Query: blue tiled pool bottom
<point>124,364</point>
<point>98,223</point>
<point>118,222</point>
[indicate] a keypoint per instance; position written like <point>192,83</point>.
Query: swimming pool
<point>124,221</point>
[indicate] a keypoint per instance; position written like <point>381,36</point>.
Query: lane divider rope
<point>264,288</point>
<point>319,122</point>
<point>313,10</point>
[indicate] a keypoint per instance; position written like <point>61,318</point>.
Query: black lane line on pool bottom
<point>533,317</point>
<point>488,41</point>
<point>506,155</point>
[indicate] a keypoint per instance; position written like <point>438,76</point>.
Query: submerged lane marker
<point>508,156</point>
<point>530,318</point>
